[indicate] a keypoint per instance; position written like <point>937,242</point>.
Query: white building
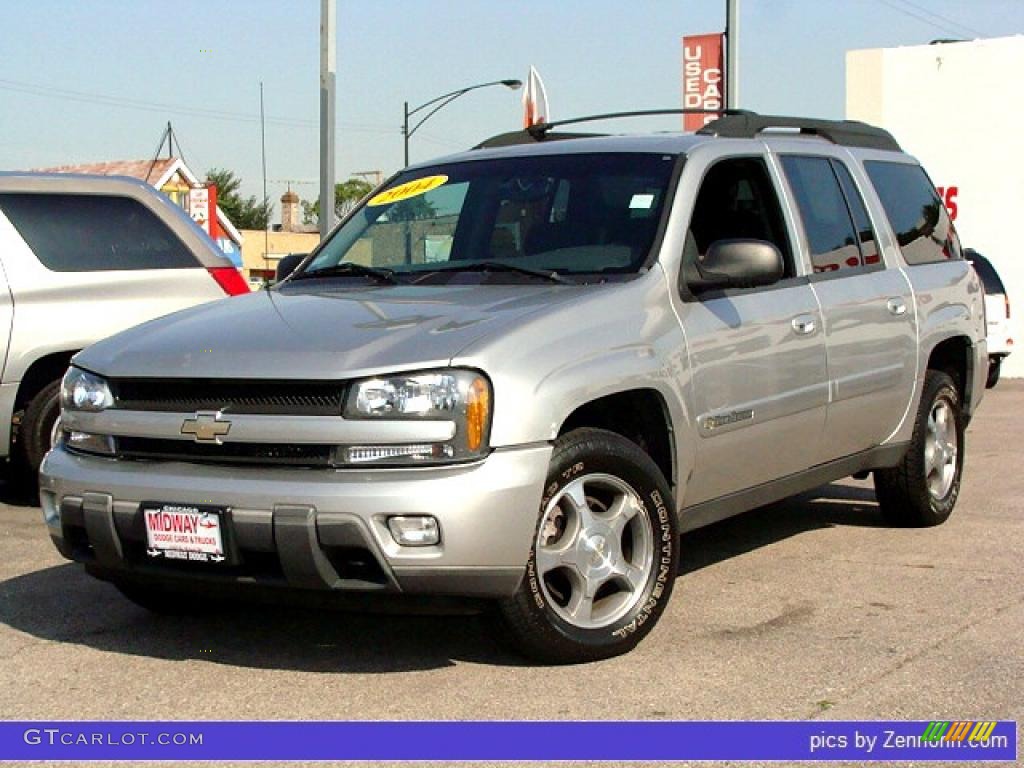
<point>957,107</point>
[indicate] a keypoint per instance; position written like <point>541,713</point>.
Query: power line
<point>946,25</point>
<point>34,89</point>
<point>107,100</point>
<point>940,17</point>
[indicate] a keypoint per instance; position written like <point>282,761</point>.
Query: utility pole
<point>732,45</point>
<point>328,66</point>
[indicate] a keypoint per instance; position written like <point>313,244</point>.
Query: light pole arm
<point>445,101</point>
<point>440,103</point>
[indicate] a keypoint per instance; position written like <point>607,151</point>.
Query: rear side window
<point>91,233</point>
<point>987,273</point>
<point>919,220</point>
<point>865,234</point>
<point>831,236</point>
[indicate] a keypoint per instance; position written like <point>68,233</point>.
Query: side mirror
<point>287,265</point>
<point>738,264</point>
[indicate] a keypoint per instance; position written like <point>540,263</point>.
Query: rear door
<point>757,356</point>
<point>869,319</point>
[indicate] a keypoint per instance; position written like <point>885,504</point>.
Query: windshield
<point>562,214</point>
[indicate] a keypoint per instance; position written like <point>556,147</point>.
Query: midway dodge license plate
<point>186,532</point>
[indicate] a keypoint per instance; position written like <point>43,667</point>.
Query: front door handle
<point>896,306</point>
<point>804,324</point>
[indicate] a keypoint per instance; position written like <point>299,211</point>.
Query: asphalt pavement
<point>809,608</point>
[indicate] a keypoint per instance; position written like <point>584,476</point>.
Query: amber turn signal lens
<point>478,410</point>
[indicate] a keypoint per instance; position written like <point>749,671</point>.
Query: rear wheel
<point>994,364</point>
<point>604,556</point>
<point>923,489</point>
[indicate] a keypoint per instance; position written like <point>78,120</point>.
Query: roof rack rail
<point>524,137</point>
<point>541,131</point>
<point>848,133</point>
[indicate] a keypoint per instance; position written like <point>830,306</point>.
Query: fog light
<point>396,454</point>
<point>86,442</point>
<point>415,531</point>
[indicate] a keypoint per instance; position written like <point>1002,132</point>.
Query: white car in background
<point>82,258</point>
<point>997,311</point>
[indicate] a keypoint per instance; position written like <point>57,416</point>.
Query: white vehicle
<point>82,258</point>
<point>997,312</point>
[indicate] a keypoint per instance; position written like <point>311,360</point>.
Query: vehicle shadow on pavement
<point>64,605</point>
<point>824,507</point>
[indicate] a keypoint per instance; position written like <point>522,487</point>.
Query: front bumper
<point>308,528</point>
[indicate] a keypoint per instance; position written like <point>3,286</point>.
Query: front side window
<point>919,220</point>
<point>90,233</point>
<point>831,237</point>
<point>736,200</point>
<point>566,214</point>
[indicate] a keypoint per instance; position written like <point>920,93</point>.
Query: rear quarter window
<point>918,218</point>
<point>92,233</point>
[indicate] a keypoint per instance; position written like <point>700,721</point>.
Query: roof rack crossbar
<point>849,133</point>
<point>540,129</point>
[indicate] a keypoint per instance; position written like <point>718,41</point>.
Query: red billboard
<point>703,85</point>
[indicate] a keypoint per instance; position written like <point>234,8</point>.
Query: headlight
<point>460,396</point>
<point>84,391</point>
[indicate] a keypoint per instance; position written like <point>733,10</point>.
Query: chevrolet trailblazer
<point>519,373</point>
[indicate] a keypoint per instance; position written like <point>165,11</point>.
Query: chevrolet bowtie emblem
<point>206,427</point>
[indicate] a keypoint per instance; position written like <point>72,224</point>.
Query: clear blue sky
<point>95,80</point>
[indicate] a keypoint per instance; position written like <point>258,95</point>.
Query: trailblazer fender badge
<point>206,427</point>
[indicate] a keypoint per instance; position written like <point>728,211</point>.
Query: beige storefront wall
<point>261,251</point>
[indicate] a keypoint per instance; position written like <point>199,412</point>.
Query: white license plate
<point>184,532</point>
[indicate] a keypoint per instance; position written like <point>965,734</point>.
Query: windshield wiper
<point>380,274</point>
<point>499,266</point>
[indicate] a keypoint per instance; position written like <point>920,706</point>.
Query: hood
<point>308,332</point>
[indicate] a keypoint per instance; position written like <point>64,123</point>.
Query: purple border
<point>489,741</point>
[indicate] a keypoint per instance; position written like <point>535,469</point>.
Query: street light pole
<point>442,102</point>
<point>328,66</point>
<point>732,45</point>
<point>405,133</point>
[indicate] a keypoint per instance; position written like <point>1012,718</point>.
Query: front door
<point>757,356</point>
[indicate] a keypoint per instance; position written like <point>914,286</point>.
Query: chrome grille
<point>263,454</point>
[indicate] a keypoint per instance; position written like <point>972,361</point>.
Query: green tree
<point>346,195</point>
<point>411,209</point>
<point>244,212</point>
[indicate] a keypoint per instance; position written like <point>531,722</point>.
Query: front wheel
<point>40,427</point>
<point>604,556</point>
<point>923,489</point>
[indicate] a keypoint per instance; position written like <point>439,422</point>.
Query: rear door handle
<point>804,324</point>
<point>896,307</point>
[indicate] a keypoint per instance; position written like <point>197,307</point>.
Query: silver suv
<point>81,258</point>
<point>519,373</point>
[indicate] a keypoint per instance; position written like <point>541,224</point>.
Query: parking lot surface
<point>810,608</point>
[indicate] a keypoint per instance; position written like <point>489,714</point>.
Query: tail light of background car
<point>229,279</point>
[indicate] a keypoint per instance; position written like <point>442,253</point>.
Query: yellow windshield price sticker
<point>407,190</point>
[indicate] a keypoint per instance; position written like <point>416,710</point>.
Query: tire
<point>167,601</point>
<point>922,490</point>
<point>993,372</point>
<point>604,591</point>
<point>37,431</point>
